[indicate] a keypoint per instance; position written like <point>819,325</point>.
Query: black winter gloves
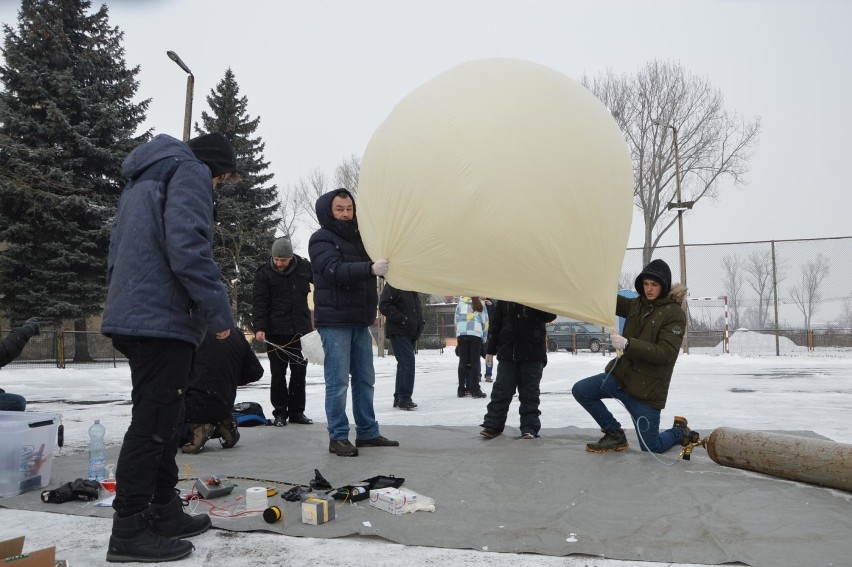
<point>77,490</point>
<point>31,327</point>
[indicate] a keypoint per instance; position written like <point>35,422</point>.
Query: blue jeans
<point>349,350</point>
<point>590,391</point>
<point>403,351</point>
<point>12,402</point>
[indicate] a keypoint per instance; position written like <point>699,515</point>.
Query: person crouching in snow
<point>639,379</point>
<point>517,336</point>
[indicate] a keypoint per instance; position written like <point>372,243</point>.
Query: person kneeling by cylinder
<point>639,379</point>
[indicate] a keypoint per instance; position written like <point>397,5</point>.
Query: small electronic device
<point>213,486</point>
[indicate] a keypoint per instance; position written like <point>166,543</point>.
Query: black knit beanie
<point>216,152</point>
<point>658,271</point>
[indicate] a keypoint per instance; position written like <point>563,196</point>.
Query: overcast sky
<point>323,74</point>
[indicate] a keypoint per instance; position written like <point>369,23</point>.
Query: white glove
<point>380,267</point>
<point>618,341</point>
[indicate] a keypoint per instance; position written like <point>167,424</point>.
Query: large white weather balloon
<point>501,178</point>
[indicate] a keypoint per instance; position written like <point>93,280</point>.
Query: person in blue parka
<point>164,291</point>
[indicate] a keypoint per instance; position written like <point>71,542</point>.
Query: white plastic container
<point>27,445</point>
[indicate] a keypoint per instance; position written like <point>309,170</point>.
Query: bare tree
<point>626,280</point>
<point>758,267</point>
<point>305,193</point>
<point>733,285</point>
<point>845,319</point>
<point>713,144</point>
<point>288,215</point>
<point>307,190</point>
<point>807,295</point>
<point>347,174</point>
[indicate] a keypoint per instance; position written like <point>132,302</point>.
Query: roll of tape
<point>256,498</point>
<point>272,514</point>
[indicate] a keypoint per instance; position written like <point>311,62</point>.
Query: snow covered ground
<point>792,392</point>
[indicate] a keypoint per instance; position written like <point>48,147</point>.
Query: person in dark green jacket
<point>640,377</point>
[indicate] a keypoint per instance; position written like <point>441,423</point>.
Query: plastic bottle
<point>97,451</point>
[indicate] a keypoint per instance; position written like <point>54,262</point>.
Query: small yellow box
<point>317,510</point>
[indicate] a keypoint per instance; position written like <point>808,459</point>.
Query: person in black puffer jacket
<point>10,349</point>
<point>518,337</point>
<point>218,369</point>
<point>345,301</point>
<point>404,325</point>
<point>280,317</point>
<point>640,377</point>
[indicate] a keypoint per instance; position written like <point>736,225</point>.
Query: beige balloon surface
<point>501,178</point>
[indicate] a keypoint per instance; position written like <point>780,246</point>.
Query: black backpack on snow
<point>249,414</point>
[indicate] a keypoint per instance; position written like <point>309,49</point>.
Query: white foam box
<point>27,444</point>
<point>317,509</point>
<point>392,500</point>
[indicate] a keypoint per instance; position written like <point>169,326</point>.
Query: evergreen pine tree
<point>67,120</point>
<point>245,210</point>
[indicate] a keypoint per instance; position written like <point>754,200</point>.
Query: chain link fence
<point>773,297</point>
<point>60,349</point>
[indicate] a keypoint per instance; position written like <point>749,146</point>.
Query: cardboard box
<point>393,500</point>
<point>317,509</point>
<point>12,553</point>
<point>27,444</point>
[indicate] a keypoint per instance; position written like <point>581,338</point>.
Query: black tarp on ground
<point>546,496</point>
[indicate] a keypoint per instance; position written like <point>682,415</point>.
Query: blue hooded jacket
<point>162,280</point>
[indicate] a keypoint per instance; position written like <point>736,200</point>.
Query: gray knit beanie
<point>282,248</point>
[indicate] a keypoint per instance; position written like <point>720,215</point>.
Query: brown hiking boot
<point>199,434</point>
<point>228,433</point>
<point>680,424</point>
<point>613,440</point>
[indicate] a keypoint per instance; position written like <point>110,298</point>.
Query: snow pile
<point>751,342</point>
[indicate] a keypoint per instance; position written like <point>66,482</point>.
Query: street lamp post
<point>190,86</point>
<point>680,206</point>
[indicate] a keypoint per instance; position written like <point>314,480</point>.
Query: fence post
<point>775,293</point>
<point>60,349</point>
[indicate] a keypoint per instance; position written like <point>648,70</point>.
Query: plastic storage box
<point>27,444</point>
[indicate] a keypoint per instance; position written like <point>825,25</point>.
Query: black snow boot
<point>169,520</point>
<point>132,540</point>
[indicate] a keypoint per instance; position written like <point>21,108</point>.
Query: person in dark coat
<point>489,363</point>
<point>517,336</point>
<point>345,302</point>
<point>10,348</point>
<point>404,324</point>
<point>219,368</point>
<point>164,291</point>
<point>640,377</point>
<point>280,316</point>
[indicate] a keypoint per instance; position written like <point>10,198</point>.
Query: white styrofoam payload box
<point>27,444</point>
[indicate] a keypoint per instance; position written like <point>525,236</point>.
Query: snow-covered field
<point>791,392</point>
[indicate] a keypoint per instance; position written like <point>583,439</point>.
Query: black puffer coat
<point>517,333</point>
<point>344,286</point>
<point>403,312</point>
<point>280,299</point>
<point>14,343</point>
<point>218,368</point>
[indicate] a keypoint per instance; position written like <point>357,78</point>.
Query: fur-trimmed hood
<point>678,292</point>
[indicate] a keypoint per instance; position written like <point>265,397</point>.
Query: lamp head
<point>176,58</point>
